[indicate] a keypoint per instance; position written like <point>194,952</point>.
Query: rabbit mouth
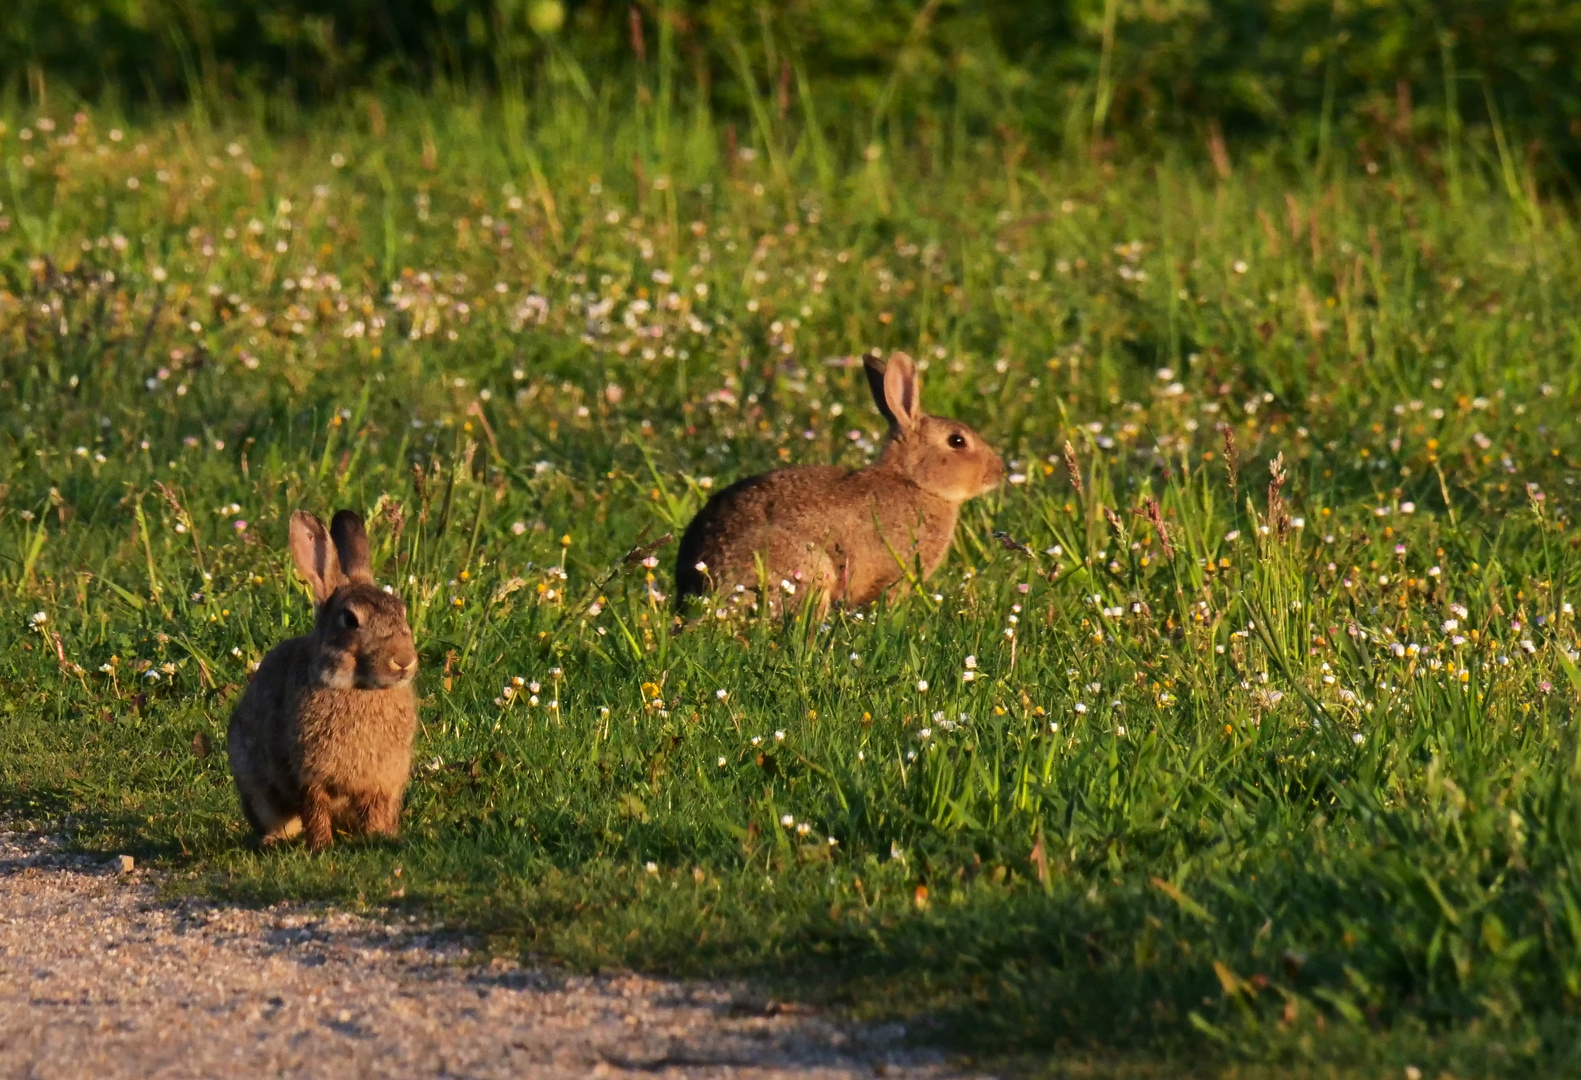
<point>390,672</point>
<point>365,676</point>
<point>993,476</point>
<point>991,479</point>
<point>381,680</point>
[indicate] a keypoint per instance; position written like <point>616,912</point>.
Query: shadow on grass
<point>1123,983</point>
<point>87,823</point>
<point>1006,973</point>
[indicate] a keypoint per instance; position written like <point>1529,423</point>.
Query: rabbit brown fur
<point>842,536</point>
<point>323,734</point>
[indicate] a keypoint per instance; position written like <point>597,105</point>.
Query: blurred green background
<point>1055,71</point>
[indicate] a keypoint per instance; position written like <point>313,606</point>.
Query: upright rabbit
<point>844,536</point>
<point>323,734</point>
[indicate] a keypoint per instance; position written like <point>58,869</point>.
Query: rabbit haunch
<point>322,737</point>
<point>844,536</point>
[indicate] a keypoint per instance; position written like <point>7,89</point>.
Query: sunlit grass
<point>1174,759</point>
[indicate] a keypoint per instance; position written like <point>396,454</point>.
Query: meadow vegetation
<point>1065,71</point>
<point>1235,734</point>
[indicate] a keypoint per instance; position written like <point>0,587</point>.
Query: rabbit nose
<point>403,664</point>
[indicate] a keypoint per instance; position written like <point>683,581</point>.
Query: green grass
<point>1290,797</point>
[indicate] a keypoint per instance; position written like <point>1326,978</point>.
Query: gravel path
<point>100,978</point>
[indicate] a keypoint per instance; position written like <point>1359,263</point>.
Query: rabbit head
<point>944,457</point>
<point>361,639</point>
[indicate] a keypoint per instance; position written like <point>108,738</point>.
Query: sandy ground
<point>100,978</point>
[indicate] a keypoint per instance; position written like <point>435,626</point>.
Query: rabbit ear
<point>351,544</point>
<point>896,390</point>
<point>315,556</point>
<point>873,364</point>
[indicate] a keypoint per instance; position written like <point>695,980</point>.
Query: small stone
<point>125,864</point>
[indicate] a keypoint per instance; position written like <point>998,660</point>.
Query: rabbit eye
<point>348,619</point>
<point>957,440</point>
